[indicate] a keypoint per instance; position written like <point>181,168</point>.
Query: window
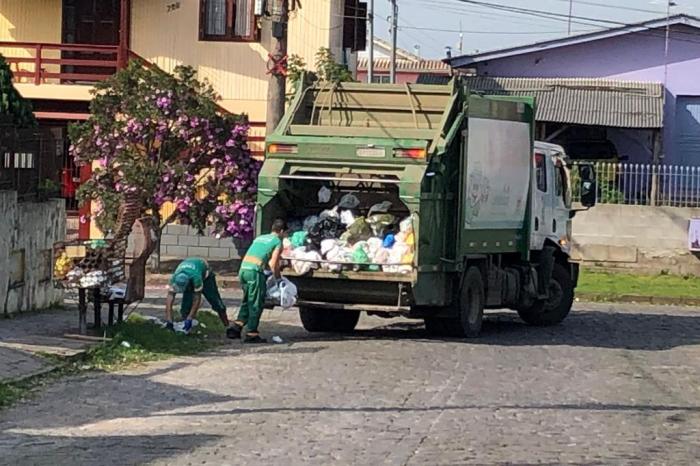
<point>228,20</point>
<point>541,172</point>
<point>18,160</point>
<point>381,79</point>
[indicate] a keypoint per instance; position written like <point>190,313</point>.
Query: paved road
<point>613,385</point>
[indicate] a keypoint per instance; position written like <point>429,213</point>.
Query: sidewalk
<point>27,339</point>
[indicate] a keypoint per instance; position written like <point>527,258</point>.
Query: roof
<point>468,60</point>
<point>596,102</point>
<point>420,66</point>
<point>400,53</point>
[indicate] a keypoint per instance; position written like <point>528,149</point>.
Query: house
<point>58,49</point>
<point>410,68</point>
<point>632,61</point>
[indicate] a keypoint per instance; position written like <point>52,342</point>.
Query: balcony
<point>65,72</point>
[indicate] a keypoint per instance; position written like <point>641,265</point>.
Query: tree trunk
<point>158,231</point>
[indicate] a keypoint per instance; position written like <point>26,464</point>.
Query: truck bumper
<point>575,271</point>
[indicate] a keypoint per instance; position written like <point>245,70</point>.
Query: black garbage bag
<point>328,228</point>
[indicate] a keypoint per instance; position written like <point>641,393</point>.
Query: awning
<point>594,102</point>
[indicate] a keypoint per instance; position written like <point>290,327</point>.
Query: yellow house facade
<point>58,49</point>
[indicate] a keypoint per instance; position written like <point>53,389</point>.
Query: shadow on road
<point>593,329</point>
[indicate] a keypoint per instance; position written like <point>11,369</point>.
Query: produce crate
<point>87,264</point>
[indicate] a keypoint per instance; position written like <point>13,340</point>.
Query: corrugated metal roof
<point>597,102</point>
<point>421,66</point>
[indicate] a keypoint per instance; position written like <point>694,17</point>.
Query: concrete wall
<point>180,241</point>
<point>28,231</point>
<point>647,239</point>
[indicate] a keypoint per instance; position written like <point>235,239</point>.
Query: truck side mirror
<point>588,185</point>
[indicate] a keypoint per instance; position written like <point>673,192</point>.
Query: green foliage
<point>329,70</point>
<point>13,106</point>
<point>607,187</point>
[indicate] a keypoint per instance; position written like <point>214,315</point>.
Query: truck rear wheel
<point>555,309</point>
<point>321,320</point>
<point>471,303</point>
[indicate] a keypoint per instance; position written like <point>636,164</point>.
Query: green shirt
<point>259,253</point>
<point>197,269</point>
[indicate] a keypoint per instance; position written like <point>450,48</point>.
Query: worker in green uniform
<point>266,251</point>
<point>193,278</point>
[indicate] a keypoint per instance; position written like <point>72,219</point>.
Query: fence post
<point>37,64</point>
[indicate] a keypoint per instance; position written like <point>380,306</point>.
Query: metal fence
<point>643,184</point>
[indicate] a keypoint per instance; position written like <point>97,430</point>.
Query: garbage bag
<point>328,228</point>
<point>379,222</point>
<point>406,225</point>
<point>324,195</point>
<point>328,245</point>
<point>347,218</point>
<point>358,231</point>
<point>380,208</point>
<point>349,201</point>
<point>310,222</point>
<point>389,241</point>
<point>373,245</point>
<point>299,239</point>
<point>329,213</point>
<point>282,292</point>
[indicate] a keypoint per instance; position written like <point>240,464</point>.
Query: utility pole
<point>277,64</point>
<point>394,39</point>
<point>571,12</point>
<point>370,58</point>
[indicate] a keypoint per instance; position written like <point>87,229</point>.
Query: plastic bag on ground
<point>381,208</point>
<point>349,201</point>
<point>324,195</point>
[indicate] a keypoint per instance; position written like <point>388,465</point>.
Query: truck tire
<point>471,303</point>
<point>555,309</point>
<point>321,320</point>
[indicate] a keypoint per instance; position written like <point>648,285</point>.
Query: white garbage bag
<point>324,195</point>
<point>282,292</point>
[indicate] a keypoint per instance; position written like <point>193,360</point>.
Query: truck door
<point>540,204</point>
<point>559,200</point>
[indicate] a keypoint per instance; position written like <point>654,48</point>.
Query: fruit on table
<point>63,265</point>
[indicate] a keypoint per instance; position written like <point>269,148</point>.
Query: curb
<point>635,299</point>
<point>163,280</point>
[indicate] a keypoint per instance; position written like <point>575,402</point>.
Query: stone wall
<point>647,239</point>
<point>28,231</point>
<point>180,241</point>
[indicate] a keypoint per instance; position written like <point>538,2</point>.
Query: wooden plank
<point>61,116</point>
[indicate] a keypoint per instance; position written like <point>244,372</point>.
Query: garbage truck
<point>486,209</point>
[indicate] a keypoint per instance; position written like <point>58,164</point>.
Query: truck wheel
<point>555,309</point>
<point>471,303</point>
<point>320,320</point>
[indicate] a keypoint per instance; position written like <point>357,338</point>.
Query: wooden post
<point>37,64</point>
<point>124,33</point>
<point>82,311</point>
<point>277,88</point>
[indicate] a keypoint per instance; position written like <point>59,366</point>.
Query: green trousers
<point>211,294</point>
<point>254,287</point>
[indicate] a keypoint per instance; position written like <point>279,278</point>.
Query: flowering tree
<point>162,136</point>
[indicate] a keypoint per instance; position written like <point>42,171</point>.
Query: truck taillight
<point>410,153</point>
<point>282,149</point>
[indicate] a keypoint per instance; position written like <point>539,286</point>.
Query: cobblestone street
<point>612,385</point>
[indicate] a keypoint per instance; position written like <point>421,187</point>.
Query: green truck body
<point>461,166</point>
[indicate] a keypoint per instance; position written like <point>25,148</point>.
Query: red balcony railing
<point>60,63</point>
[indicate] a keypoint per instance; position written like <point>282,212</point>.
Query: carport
<point>594,119</point>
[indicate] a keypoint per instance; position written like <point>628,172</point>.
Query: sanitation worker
<point>266,251</point>
<point>193,278</point>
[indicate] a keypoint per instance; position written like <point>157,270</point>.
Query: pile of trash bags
<point>339,239</point>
